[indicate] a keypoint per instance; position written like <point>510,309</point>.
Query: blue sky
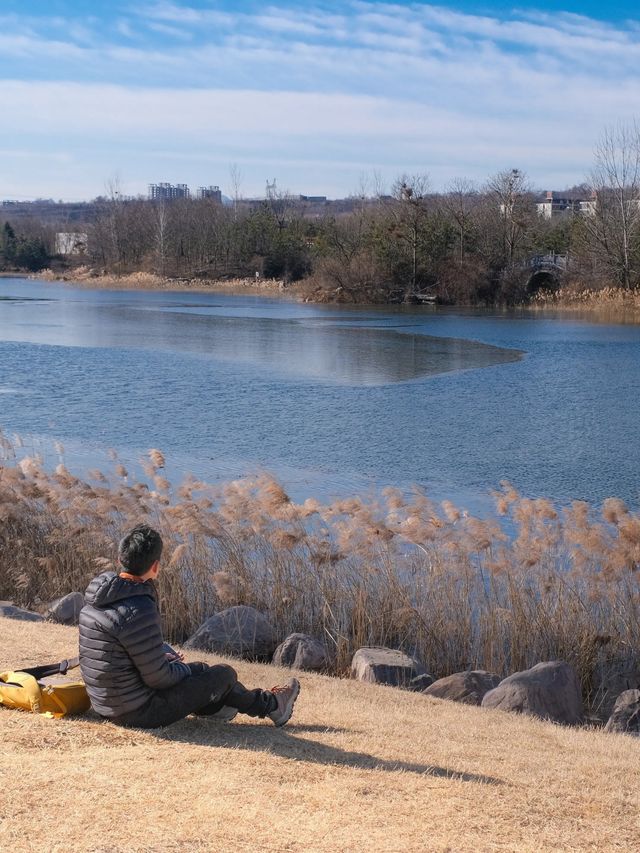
<point>321,96</point>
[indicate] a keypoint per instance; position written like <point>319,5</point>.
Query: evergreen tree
<point>9,243</point>
<point>31,255</point>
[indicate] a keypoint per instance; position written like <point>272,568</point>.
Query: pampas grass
<point>457,591</point>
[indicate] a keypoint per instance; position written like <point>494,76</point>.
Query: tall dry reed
<point>611,300</point>
<point>457,591</point>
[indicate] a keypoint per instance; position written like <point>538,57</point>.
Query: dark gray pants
<point>204,692</point>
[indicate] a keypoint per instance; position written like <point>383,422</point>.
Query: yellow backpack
<point>25,690</point>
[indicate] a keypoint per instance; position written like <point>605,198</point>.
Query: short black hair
<point>140,549</point>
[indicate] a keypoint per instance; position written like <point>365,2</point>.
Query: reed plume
<point>457,591</point>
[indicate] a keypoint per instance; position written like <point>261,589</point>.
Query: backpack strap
<point>52,668</point>
<point>57,700</point>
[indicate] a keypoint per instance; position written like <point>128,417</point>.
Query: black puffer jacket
<point>121,654</point>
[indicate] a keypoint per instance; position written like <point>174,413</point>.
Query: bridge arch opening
<point>542,280</point>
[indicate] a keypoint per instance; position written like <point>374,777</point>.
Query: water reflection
<point>353,355</point>
<point>335,395</point>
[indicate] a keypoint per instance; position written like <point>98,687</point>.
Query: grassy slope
<point>359,767</point>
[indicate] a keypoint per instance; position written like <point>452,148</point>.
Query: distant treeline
<point>467,245</point>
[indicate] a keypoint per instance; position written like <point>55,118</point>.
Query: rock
<point>385,666</point>
<point>238,631</point>
<point>420,682</point>
<point>66,610</point>
<point>613,675</point>
<point>302,652</point>
<point>549,690</point>
<point>468,687</point>
<point>9,611</point>
<point>626,714</point>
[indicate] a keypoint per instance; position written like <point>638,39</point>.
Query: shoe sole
<point>284,720</point>
<point>224,715</point>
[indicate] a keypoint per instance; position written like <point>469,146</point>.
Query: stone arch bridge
<point>544,272</point>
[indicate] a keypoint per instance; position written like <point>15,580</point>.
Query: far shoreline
<point>276,288</point>
<point>608,304</point>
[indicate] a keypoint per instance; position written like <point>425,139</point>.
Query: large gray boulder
<point>10,611</point>
<point>240,631</point>
<point>549,690</point>
<point>302,652</point>
<point>66,610</point>
<point>385,666</point>
<point>467,687</point>
<point>625,718</point>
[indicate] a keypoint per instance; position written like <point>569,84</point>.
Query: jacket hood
<point>109,588</point>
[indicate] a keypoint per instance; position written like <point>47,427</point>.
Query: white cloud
<point>166,11</point>
<point>28,46</point>
<point>289,129</point>
<point>124,28</point>
<point>281,23</point>
<point>382,85</point>
<point>169,30</point>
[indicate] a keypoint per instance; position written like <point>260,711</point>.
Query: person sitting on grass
<point>130,678</point>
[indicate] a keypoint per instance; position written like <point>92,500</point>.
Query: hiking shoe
<point>285,697</point>
<point>225,714</point>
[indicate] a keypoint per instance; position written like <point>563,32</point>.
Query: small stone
<point>385,666</point>
<point>421,682</point>
<point>467,687</point>
<point>614,674</point>
<point>302,652</point>
<point>549,690</point>
<point>625,718</point>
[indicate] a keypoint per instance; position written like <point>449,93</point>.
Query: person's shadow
<point>258,737</point>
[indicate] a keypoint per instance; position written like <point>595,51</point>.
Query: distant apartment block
<point>210,192</point>
<point>587,205</point>
<point>553,204</point>
<point>314,199</point>
<point>168,192</point>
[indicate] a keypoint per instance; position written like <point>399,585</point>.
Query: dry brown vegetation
<point>614,303</point>
<point>359,767</point>
<point>456,591</point>
<point>89,277</point>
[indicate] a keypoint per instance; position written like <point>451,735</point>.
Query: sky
<point>327,98</point>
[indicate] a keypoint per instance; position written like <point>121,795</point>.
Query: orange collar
<point>127,577</point>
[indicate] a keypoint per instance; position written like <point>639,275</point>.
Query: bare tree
<point>236,178</point>
<point>161,236</point>
<point>115,221</point>
<point>370,186</point>
<point>460,201</point>
<point>410,212</point>
<point>511,194</point>
<point>347,260</point>
<point>613,226</point>
<point>281,204</point>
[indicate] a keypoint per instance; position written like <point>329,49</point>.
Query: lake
<point>331,399</point>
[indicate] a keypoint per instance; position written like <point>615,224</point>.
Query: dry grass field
<point>359,768</point>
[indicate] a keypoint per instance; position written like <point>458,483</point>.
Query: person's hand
<point>171,657</point>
